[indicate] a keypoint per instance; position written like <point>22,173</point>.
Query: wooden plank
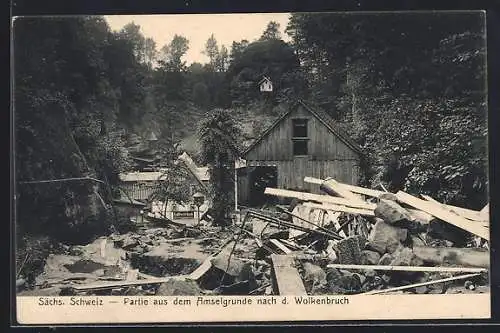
<point>443,214</point>
<point>318,197</point>
<point>286,276</point>
<point>202,269</point>
<point>410,268</point>
<point>415,285</point>
<point>469,256</point>
<point>280,246</point>
<point>103,248</point>
<point>352,188</point>
<point>466,213</point>
<point>331,186</point>
<point>339,208</point>
<point>485,212</point>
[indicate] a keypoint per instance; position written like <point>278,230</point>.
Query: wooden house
<point>142,185</point>
<point>266,85</point>
<point>303,141</point>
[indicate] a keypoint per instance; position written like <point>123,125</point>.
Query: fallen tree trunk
<point>473,257</point>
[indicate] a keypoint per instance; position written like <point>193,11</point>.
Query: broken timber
<point>466,213</point>
<point>319,198</point>
<point>352,188</point>
<point>409,268</point>
<point>453,278</point>
<point>332,187</point>
<point>338,208</point>
<point>443,214</point>
<point>280,246</point>
<point>286,277</point>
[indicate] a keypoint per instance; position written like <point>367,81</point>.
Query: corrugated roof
<point>324,117</point>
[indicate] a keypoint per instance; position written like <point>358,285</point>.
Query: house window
<point>299,128</point>
<point>300,137</point>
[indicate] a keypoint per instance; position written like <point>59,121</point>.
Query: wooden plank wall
<point>139,191</point>
<point>291,173</point>
<point>323,144</point>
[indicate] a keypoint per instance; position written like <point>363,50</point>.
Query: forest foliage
<point>410,89</point>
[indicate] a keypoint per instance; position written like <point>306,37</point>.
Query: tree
<point>173,185</point>
<point>212,50</point>
<point>272,31</point>
<point>222,59</point>
<point>219,135</point>
<point>173,52</point>
<point>272,58</point>
<point>150,52</point>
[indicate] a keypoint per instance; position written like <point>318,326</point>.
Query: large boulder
<point>386,238</point>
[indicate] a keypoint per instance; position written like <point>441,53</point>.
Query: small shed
<point>303,141</point>
<point>266,85</point>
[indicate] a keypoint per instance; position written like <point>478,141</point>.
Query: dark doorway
<point>260,178</point>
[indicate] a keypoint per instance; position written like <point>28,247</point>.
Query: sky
<point>197,28</point>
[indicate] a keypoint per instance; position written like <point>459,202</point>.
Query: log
<point>466,213</point>
<point>286,277</point>
<point>421,284</point>
<point>332,187</point>
<point>443,214</point>
<point>409,268</point>
<point>318,197</point>
<point>472,257</point>
<point>352,188</point>
<point>339,208</point>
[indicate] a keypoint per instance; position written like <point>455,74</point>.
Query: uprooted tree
<point>218,135</point>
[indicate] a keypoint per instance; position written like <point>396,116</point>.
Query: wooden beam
<point>410,268</point>
<point>485,212</point>
<point>468,256</point>
<point>339,208</point>
<point>421,284</point>
<point>443,214</point>
<point>466,213</point>
<point>280,246</point>
<point>332,187</point>
<point>318,197</point>
<point>352,188</point>
<point>286,277</point>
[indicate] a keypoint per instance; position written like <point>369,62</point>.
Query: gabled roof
<point>321,115</point>
<point>265,78</point>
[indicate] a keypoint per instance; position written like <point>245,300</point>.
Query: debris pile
<point>350,240</point>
